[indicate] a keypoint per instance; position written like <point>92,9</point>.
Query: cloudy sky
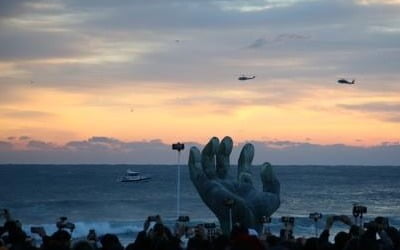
<point>118,81</point>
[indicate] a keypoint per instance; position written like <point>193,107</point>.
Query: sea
<point>91,196</point>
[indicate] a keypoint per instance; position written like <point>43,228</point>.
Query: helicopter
<point>344,81</point>
<point>245,78</point>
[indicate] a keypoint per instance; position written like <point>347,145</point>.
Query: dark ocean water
<point>91,197</point>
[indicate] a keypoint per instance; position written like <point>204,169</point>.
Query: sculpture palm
<point>209,174</point>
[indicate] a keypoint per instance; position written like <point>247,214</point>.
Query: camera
<point>63,223</point>
<point>265,219</point>
<point>178,146</point>
<point>315,216</point>
<point>152,218</point>
<point>359,210</point>
<point>287,219</point>
<point>183,219</point>
<point>37,230</point>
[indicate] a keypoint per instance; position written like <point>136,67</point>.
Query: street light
<point>179,147</point>
<point>229,203</point>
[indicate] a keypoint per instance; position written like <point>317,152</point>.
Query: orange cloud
<point>151,112</point>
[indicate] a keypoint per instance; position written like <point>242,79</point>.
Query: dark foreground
<point>374,235</point>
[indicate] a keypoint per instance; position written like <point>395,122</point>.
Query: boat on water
<point>133,176</point>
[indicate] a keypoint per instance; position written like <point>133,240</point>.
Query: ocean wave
<point>303,226</point>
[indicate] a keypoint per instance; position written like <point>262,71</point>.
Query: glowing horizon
<point>145,116</point>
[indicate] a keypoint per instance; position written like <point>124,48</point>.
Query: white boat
<point>133,176</point>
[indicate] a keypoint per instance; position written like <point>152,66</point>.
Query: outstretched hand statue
<point>219,191</point>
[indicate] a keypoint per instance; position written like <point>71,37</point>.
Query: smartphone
<point>152,218</point>
<point>183,219</point>
<point>37,230</point>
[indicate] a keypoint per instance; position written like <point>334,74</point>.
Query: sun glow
<point>147,113</point>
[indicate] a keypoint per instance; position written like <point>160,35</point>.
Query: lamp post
<point>178,147</point>
<point>229,203</point>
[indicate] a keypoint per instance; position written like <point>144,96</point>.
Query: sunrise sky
<point>122,77</point>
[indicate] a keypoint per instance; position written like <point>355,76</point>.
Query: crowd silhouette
<point>374,235</point>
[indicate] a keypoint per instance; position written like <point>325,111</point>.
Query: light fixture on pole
<point>179,147</point>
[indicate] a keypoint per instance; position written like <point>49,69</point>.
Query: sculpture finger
<point>224,151</point>
<point>195,170</point>
<point>208,157</point>
<point>269,180</point>
<point>245,159</point>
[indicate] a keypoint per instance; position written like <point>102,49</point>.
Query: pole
<point>178,187</point>
<point>230,219</point>
<point>178,147</point>
<point>316,228</point>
